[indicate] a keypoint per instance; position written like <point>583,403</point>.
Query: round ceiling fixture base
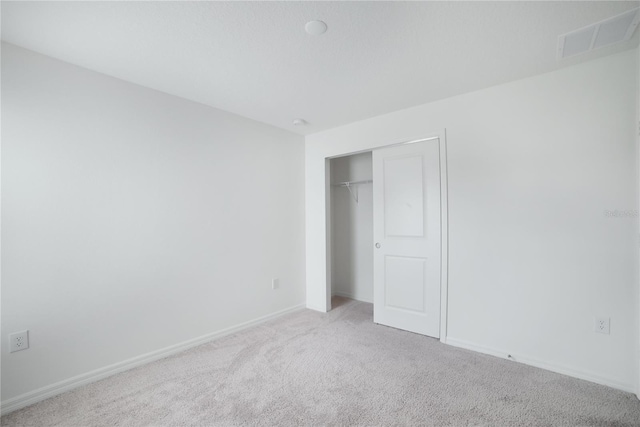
<point>315,28</point>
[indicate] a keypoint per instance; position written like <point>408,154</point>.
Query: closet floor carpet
<point>339,368</point>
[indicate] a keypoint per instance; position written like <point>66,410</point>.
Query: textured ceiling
<point>255,59</point>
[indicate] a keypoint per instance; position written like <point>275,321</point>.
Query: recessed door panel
<point>404,282</point>
<point>403,196</point>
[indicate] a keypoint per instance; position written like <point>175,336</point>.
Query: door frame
<point>444,221</point>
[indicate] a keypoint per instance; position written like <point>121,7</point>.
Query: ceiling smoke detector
<point>315,28</point>
<point>604,33</point>
<point>299,122</point>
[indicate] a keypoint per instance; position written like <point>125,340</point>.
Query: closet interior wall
<point>352,227</point>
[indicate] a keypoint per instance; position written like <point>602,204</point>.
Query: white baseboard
<point>554,367</point>
<point>63,386</point>
<point>317,308</point>
<point>350,296</point>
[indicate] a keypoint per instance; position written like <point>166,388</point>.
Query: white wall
<point>134,220</point>
<point>352,228</point>
<point>533,166</point>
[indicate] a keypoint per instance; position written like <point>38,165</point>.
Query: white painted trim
<point>353,297</point>
<point>328,233</point>
<point>444,237</point>
<point>554,367</point>
<point>63,386</point>
<point>638,223</point>
<point>317,308</point>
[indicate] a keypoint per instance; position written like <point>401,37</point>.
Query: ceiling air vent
<point>613,30</point>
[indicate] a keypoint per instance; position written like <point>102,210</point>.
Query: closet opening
<point>352,227</point>
<point>386,233</point>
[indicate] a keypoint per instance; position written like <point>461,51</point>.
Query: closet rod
<point>349,183</point>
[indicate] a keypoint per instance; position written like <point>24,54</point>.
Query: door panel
<point>403,195</point>
<point>404,283</point>
<point>406,210</point>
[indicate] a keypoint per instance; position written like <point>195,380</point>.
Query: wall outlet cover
<point>18,341</point>
<point>602,325</point>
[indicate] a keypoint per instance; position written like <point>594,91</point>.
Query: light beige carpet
<point>338,368</point>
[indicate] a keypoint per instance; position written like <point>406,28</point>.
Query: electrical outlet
<point>18,341</point>
<point>601,325</point>
<point>275,284</point>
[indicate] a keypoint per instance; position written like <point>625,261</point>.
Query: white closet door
<point>406,218</point>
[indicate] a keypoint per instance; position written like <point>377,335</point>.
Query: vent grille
<point>604,33</point>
